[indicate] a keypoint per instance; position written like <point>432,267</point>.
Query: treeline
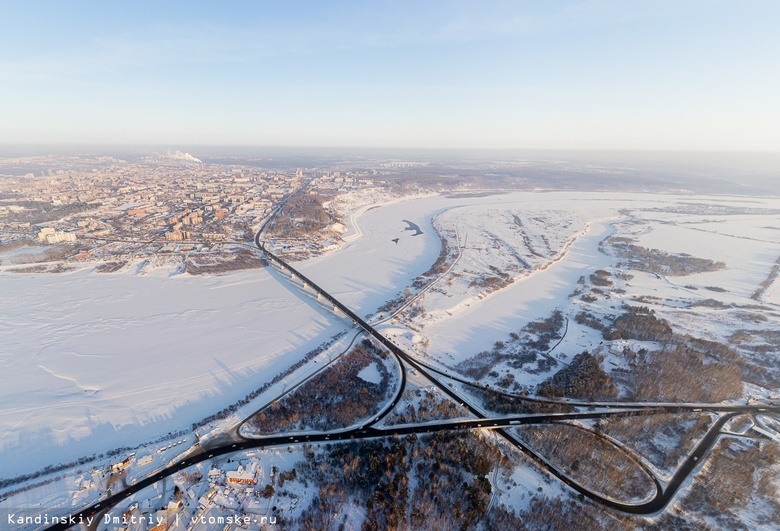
<point>767,282</point>
<point>517,405</point>
<point>51,469</point>
<point>440,265</point>
<point>582,378</point>
<point>335,398</point>
<point>392,304</point>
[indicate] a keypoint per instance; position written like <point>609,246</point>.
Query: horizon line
<point>170,145</point>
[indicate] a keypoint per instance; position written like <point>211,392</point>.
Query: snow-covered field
<point>93,362</point>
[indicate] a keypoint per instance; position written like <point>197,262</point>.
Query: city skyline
<point>502,75</point>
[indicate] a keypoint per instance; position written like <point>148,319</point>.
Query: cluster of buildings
<point>336,180</point>
<point>104,207</point>
<point>107,210</point>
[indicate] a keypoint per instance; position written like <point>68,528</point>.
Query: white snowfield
<point>92,362</point>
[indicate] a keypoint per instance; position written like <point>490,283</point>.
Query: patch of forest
<point>680,374</point>
<point>41,212</point>
<point>583,378</point>
<point>590,460</point>
<point>38,253</point>
<point>639,322</point>
<point>110,267</point>
<point>685,369</point>
<point>661,262</point>
<point>436,481</point>
<point>663,439</point>
<point>742,475</point>
<point>424,406</point>
<point>493,282</point>
<point>551,514</point>
<point>236,260</point>
<point>17,244</point>
<point>302,216</point>
<point>601,278</point>
<point>335,398</point>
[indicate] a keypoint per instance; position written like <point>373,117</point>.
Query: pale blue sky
<point>612,74</point>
